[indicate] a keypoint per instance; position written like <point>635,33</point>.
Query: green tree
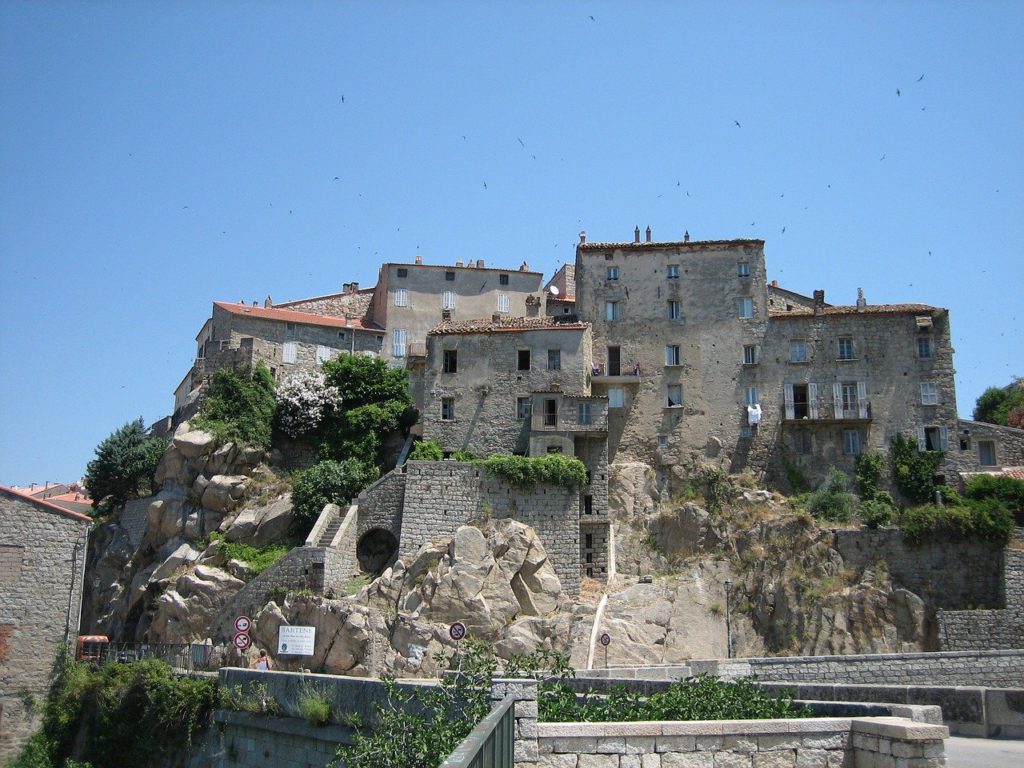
<point>996,405</point>
<point>912,470</point>
<point>239,406</point>
<point>327,482</point>
<point>124,466</point>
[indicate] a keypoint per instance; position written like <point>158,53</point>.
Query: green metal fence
<point>491,744</point>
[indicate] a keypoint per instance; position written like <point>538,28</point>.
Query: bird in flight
<point>897,91</point>
<point>737,123</point>
<point>881,158</point>
<point>920,78</point>
<point>520,142</point>
<point>592,18</point>
<point>485,185</point>
<point>343,98</point>
<point>783,230</point>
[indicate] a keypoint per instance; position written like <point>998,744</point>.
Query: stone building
<point>42,567</point>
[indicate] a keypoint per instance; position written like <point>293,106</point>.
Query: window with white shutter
<point>812,400</point>
<point>402,297</point>
<point>323,354</point>
<point>503,302</point>
<point>790,403</point>
<point>398,342</point>
<point>929,393</point>
<point>290,352</point>
<point>448,300</point>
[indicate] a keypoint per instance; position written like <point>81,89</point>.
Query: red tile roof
<point>1017,473</point>
<point>870,309</point>
<point>505,325</point>
<point>292,316</point>
<point>45,505</point>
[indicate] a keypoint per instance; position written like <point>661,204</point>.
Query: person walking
<point>261,662</point>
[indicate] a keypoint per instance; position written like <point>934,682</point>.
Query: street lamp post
<point>728,625</point>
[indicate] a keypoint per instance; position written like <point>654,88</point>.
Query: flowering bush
<point>304,399</point>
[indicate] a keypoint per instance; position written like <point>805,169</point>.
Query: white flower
<point>303,399</point>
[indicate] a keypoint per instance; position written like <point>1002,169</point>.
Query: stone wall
<point>948,575</point>
<point>354,303</point>
<point>965,454</point>
<point>441,496</point>
<point>990,629</point>
<point>42,570</point>
<point>380,505</point>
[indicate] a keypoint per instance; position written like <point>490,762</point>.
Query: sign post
<point>456,632</point>
<point>605,640</point>
<point>242,641</point>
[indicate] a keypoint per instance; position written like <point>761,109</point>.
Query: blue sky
<point>158,156</point>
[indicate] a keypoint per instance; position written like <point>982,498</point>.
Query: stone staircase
<point>327,535</point>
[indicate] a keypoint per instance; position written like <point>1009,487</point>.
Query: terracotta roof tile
<point>849,309</point>
<point>1017,473</point>
<point>46,506</point>
<point>505,325</point>
<point>293,316</point>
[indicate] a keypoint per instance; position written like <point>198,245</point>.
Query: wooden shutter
<point>837,399</point>
<point>862,399</point>
<point>788,395</point>
<point>922,440</point>
<point>943,439</point>
<point>289,352</point>
<point>812,400</point>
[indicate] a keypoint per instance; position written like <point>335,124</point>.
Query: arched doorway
<point>376,550</point>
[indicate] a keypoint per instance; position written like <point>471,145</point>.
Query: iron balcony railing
<point>491,744</point>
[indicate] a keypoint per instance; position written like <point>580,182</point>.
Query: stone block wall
<point>948,575</point>
<point>441,496</point>
<point>42,570</point>
<point>990,629</point>
<point>964,455</point>
<point>380,505</point>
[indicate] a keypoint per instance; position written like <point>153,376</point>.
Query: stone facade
<point>999,628</point>
<point>42,569</point>
<point>981,447</point>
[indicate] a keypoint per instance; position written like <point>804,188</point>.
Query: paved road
<point>984,753</point>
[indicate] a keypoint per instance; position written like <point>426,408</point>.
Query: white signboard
<point>296,641</point>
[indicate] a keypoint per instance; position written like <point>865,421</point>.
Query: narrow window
<point>523,362</point>
<point>611,273</point>
<point>583,413</point>
<point>611,310</point>
<point>588,505</point>
<point>290,352</point>
<point>675,395</point>
<point>550,413</point>
<point>851,442</point>
<point>802,442</point>
<point>924,347</point>
<point>502,279</point>
<point>447,409</point>
<point>448,300</point>
<point>503,302</point>
<point>290,327</point>
<point>402,297</point>
<point>451,361</point>
<point>929,393</point>
<point>672,354</point>
<point>746,307</point>
<point>398,342</point>
<point>403,272</point>
<point>554,359</point>
<point>797,351</point>
<point>449,276</point>
<point>743,269</point>
<point>846,349</point>
<point>752,396</point>
<point>672,272</point>
<point>749,354</point>
<point>674,311</point>
<point>662,440</point>
<point>323,354</point>
<point>616,397</point>
<point>987,453</point>
<point>932,439</point>
<point>523,407</point>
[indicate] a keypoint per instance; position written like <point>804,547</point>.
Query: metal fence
<point>186,656</point>
<point>491,744</point>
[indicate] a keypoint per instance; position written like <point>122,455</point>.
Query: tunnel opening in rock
<point>376,550</point>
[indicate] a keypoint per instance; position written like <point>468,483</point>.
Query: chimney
<point>686,236</point>
<point>255,303</point>
<point>648,233</point>
<point>583,238</point>
<point>524,267</point>
<point>819,301</point>
<point>344,287</point>
<point>636,235</point>
<point>354,288</point>
<point>479,263</point>
<point>419,259</point>
<point>495,318</point>
<point>458,262</point>
<point>268,302</point>
<point>862,303</point>
<point>775,283</point>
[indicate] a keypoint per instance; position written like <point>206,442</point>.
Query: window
<point>932,439</point>
<point>797,351</point>
<point>323,353</point>
<point>550,413</point>
<point>611,310</point>
<point>746,432</point>
<point>448,300</point>
<point>846,349</point>
<point>588,506</point>
<point>583,413</point>
<point>801,442</point>
<point>675,394</point>
<point>745,307</point>
<point>672,354</point>
<point>674,310</point>
<point>450,363</point>
<point>290,352</point>
<point>672,272</point>
<point>449,276</point>
<point>554,359</point>
<point>801,401</point>
<point>524,407</point>
<point>403,272</point>
<point>503,302</point>
<point>523,361</point>
<point>341,335</point>
<point>502,279</point>
<point>851,442</point>
<point>554,449</point>
<point>849,399</point>
<point>924,347</point>
<point>616,397</point>
<point>290,327</point>
<point>987,453</point>
<point>751,395</point>
<point>743,269</point>
<point>662,441</point>
<point>611,273</point>
<point>749,354</point>
<point>929,393</point>
<point>398,342</point>
<point>447,409</point>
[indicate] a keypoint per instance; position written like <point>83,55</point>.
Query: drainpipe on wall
<point>79,545</point>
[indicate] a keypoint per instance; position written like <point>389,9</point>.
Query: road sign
<point>297,641</point>
<point>243,624</point>
<point>457,631</point>
<point>242,641</point>
<point>605,639</point>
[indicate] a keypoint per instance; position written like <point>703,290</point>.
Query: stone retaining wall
<point>380,505</point>
<point>979,630</point>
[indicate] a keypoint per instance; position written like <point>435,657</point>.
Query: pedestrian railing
<point>491,744</point>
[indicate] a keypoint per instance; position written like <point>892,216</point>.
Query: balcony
<point>575,414</point>
<point>615,374</point>
<point>827,412</point>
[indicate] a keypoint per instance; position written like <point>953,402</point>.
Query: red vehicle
<point>91,647</point>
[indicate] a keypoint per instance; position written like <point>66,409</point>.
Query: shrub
<point>986,520</point>
<point>876,513</point>
<point>795,478</point>
<point>124,466</point>
<point>526,472</point>
<point>315,706</point>
<point>868,471</point>
<point>239,406</point>
<point>327,482</point>
<point>426,450</point>
<point>257,558</point>
<point>913,471</point>
<point>832,500</point>
<point>995,404</point>
<point>304,400</point>
<point>462,456</point>
<point>1007,489</point>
